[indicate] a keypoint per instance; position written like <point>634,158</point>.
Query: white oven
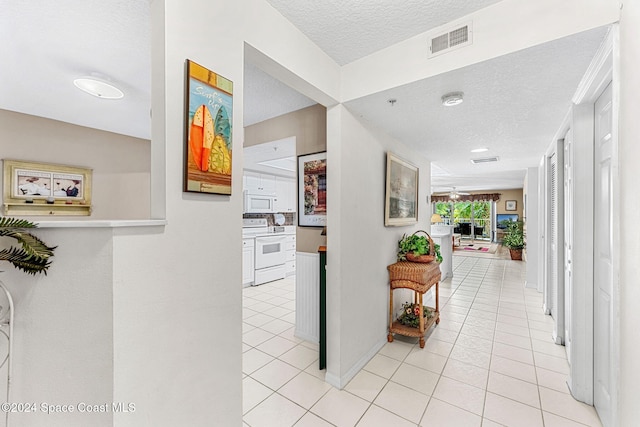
<point>270,250</point>
<point>259,203</point>
<point>270,258</point>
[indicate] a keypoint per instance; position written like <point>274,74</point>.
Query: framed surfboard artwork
<point>32,188</point>
<point>208,131</point>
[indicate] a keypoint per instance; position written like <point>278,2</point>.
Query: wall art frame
<point>511,205</point>
<point>312,190</point>
<point>401,192</point>
<point>208,131</point>
<point>33,188</point>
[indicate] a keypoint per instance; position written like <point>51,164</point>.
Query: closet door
<point>568,239</point>
<point>555,237</point>
<point>603,259</point>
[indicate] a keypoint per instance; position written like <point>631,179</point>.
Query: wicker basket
<point>423,258</point>
<point>413,275</point>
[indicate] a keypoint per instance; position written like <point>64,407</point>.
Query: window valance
<point>485,197</point>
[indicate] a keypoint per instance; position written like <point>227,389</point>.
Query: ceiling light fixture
<point>98,88</point>
<point>479,150</point>
<point>452,98</point>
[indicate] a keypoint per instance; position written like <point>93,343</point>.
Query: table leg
<point>421,320</point>
<point>438,302</point>
<point>390,335</point>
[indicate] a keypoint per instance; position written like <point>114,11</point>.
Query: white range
<point>270,251</point>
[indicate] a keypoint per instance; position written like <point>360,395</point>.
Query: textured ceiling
<point>513,105</point>
<point>349,30</point>
<point>266,97</point>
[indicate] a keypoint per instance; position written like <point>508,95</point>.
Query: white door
<point>603,248</point>
<point>568,238</point>
<point>555,235</point>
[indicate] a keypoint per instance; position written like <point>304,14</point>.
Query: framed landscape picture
<point>208,121</point>
<point>401,195</point>
<point>312,190</point>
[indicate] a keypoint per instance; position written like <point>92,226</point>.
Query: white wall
<point>63,348</point>
<point>533,227</point>
<point>121,164</point>
<point>629,152</point>
<point>177,289</point>
<point>359,246</point>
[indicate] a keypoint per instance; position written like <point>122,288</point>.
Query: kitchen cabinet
<point>248,266</point>
<point>290,254</point>
<point>285,194</point>
<point>256,182</point>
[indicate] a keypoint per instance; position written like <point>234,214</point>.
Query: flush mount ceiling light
<point>452,98</point>
<point>98,88</point>
<point>479,150</point>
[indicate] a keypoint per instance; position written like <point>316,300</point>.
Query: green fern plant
<point>33,255</point>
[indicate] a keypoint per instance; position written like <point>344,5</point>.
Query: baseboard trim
<point>306,337</point>
<point>340,382</point>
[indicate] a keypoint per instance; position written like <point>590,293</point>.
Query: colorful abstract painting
<point>312,190</point>
<point>208,133</point>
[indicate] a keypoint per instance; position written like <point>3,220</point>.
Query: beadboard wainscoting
<point>308,296</point>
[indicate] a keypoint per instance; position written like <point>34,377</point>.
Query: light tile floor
<point>490,362</point>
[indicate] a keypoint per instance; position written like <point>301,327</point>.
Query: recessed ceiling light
<point>479,150</point>
<point>98,88</point>
<point>451,99</point>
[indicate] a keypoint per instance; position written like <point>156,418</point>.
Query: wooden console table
<point>420,278</point>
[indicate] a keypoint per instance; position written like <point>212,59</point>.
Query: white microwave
<point>259,203</point>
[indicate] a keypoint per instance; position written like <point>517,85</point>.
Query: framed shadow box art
<point>510,205</point>
<point>208,131</point>
<point>401,195</point>
<point>312,190</point>
<point>32,188</point>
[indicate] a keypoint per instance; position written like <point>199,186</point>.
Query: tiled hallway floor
<point>489,362</point>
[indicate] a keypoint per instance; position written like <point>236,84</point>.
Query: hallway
<point>489,362</point>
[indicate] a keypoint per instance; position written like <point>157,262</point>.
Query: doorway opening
<point>471,219</point>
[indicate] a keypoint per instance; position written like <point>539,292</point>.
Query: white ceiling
<point>47,44</point>
<point>274,157</point>
<point>266,97</point>
<point>513,104</point>
<point>350,30</point>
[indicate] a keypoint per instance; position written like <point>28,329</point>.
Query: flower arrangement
<point>411,314</point>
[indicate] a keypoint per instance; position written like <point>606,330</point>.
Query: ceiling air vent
<point>453,38</point>
<point>485,160</point>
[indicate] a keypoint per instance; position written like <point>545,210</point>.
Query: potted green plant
<point>33,255</point>
<point>418,248</point>
<point>514,239</point>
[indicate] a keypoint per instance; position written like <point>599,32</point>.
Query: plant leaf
<point>33,256</point>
